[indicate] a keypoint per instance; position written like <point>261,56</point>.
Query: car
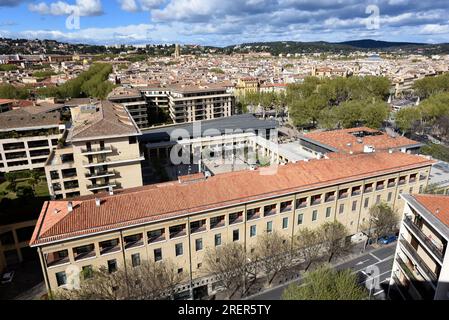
<point>7,277</point>
<point>387,239</point>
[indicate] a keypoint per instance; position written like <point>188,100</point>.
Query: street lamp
<point>371,285</point>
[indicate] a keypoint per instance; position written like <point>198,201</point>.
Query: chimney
<point>97,202</point>
<point>69,206</point>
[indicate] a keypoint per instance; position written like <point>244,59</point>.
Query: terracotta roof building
<point>221,208</point>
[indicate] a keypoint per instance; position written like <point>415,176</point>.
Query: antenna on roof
<point>97,202</point>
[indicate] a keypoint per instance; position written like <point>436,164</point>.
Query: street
<point>381,258</point>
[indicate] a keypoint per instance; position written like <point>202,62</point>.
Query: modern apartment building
<point>27,137</point>
<point>180,220</point>
<point>134,101</point>
<point>196,103</point>
<point>101,153</point>
<point>421,265</point>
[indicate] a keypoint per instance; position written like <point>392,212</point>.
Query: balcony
<point>109,246</point>
<point>93,151</point>
<point>428,244</point>
<point>414,256</point>
<point>198,226</point>
<point>269,211</point>
<point>101,174</point>
<point>286,207</point>
<point>252,215</point>
<point>57,258</point>
<point>156,236</point>
<point>217,222</point>
<point>425,291</point>
<point>84,252</point>
<point>93,187</point>
<point>133,241</point>
<point>235,218</point>
<point>402,288</point>
<point>110,161</point>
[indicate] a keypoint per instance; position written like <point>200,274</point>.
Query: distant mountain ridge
<point>376,44</point>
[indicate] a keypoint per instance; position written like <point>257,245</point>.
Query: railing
<point>401,287</point>
<point>428,243</point>
<point>101,173</point>
<point>57,262</point>
<point>109,249</point>
<point>101,186</point>
<point>218,224</point>
<point>97,150</point>
<point>85,255</point>
<point>420,286</point>
<point>418,260</point>
<point>177,234</point>
<point>156,239</point>
<point>133,244</point>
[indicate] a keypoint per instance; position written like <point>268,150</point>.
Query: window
<point>61,278</point>
<point>156,235</point>
<point>269,226</point>
<point>366,203</point>
<point>235,217</point>
<point>285,223</point>
<point>179,250</point>
<point>354,205</point>
<point>399,195</point>
<point>217,222</point>
<point>7,238</point>
<point>378,199</point>
<point>132,140</point>
<point>252,231</point>
<point>157,255</point>
<point>135,259</point>
<point>300,218</point>
<point>180,270</point>
<point>199,244</point>
<point>342,209</point>
<point>112,266</point>
<point>286,206</point>
<point>199,265</point>
<point>314,215</point>
<point>235,235</point>
<point>252,214</point>
<point>301,203</point>
<point>390,195</point>
<point>218,239</point>
<point>328,212</point>
<point>421,188</point>
<point>410,190</point>
<point>87,272</point>
<point>316,199</point>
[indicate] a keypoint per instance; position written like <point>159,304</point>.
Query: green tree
<point>407,118</point>
<point>383,220</point>
<point>374,114</point>
<point>327,284</point>
<point>334,236</point>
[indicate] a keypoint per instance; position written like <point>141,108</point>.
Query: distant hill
<point>375,44</point>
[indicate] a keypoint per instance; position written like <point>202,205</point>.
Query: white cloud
<point>59,8</point>
<point>140,5</point>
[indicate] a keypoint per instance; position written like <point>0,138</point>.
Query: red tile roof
<point>438,205</point>
<point>340,140</point>
<point>150,203</point>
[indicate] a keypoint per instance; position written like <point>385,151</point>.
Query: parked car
<point>7,277</point>
<point>387,239</point>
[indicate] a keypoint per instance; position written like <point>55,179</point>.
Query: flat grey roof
<point>243,122</point>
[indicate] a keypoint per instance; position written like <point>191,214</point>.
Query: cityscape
<point>200,151</point>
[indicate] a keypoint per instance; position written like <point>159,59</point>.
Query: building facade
<point>27,139</point>
<point>134,101</point>
<point>101,153</point>
<point>151,223</point>
<point>421,265</point>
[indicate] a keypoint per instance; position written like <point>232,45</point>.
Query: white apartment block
<point>421,264</point>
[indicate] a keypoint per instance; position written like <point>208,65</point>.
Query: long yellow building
<point>180,220</point>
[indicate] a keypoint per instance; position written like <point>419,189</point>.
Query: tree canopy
<point>327,284</point>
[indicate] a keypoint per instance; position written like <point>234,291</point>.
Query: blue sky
<point>224,22</point>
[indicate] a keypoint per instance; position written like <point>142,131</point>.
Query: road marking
<point>375,257</point>
<point>386,259</point>
<point>362,262</point>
